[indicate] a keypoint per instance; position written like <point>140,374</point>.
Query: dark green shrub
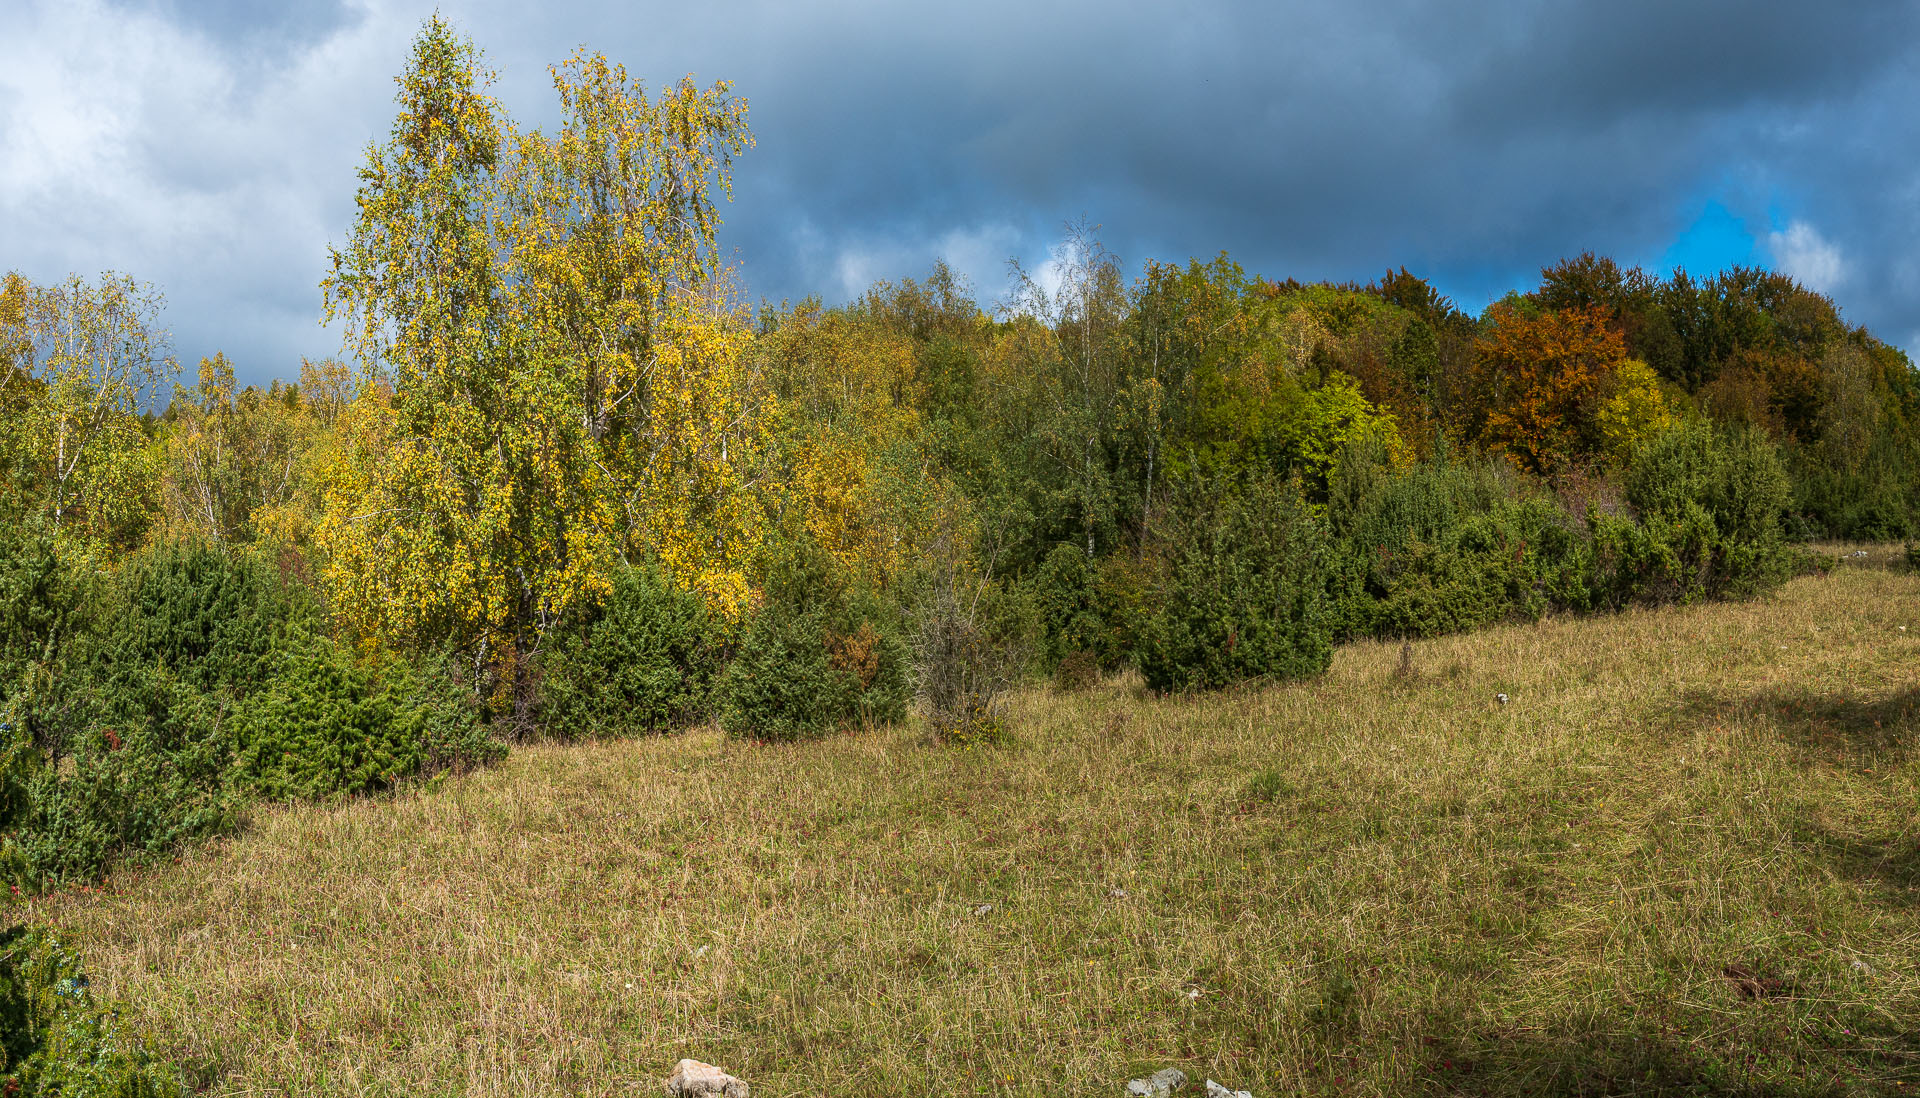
<point>1913,555</point>
<point>863,634</point>
<point>1441,548</point>
<point>817,655</point>
<point>44,605</point>
<point>133,762</point>
<point>55,1040</point>
<point>320,727</point>
<point>1124,592</point>
<point>1087,606</point>
<point>119,721</point>
<point>781,685</point>
<point>1876,499</point>
<point>1064,593</point>
<point>1733,474</point>
<point>1246,593</point>
<point>214,616</point>
<point>797,675</point>
<point>646,662</point>
<point>1710,503</point>
<point>445,716</point>
<point>1653,562</point>
<point>166,699</point>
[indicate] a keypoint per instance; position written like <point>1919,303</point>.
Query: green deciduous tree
<point>82,358</point>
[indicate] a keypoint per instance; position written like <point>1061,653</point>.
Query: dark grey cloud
<point>1471,142</point>
<point>1552,66</point>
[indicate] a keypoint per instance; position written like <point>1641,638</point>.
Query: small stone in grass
<point>1215,1090</point>
<point>983,909</point>
<point>1161,1084</point>
<point>691,1079</point>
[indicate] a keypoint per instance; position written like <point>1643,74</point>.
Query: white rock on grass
<point>1161,1084</point>
<point>692,1079</point>
<point>1215,1090</point>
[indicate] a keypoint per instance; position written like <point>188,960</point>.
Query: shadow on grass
<point>1824,727</point>
<point>1890,866</point>
<point>1644,1057</point>
<point>1876,731</point>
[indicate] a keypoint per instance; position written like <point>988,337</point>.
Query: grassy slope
<point>1367,884</point>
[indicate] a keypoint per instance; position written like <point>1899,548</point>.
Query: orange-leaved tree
<point>1540,378</point>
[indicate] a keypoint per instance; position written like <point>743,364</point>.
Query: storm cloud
<point>211,147</point>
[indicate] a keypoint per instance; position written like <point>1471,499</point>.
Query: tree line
<point>567,484</point>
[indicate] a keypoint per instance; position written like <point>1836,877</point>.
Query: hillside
<point>1681,859</point>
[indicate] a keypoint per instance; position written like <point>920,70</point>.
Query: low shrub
<point>1087,607</point>
<point>1809,562</point>
<point>865,650</point>
<point>1873,496</point>
<point>1442,548</point>
<point>781,685</point>
<point>1078,670</point>
<point>323,727</point>
<point>132,762</point>
<point>54,1038</point>
<point>965,656</point>
<point>445,715</point>
<point>797,675</point>
<point>44,605</point>
<point>964,679</point>
<point>1245,595</point>
<point>213,615</point>
<point>815,656</point>
<point>1064,596</point>
<point>1655,561</point>
<point>646,661</point>
<point>1710,503</point>
<point>200,681</point>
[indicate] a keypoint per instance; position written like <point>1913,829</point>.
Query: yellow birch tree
<point>553,378</point>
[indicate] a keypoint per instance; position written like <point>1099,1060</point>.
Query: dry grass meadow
<point>1684,859</point>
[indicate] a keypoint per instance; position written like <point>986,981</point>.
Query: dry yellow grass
<point>1683,859</point>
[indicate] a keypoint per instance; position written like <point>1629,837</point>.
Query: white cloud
<point>132,142</point>
<point>1052,273</point>
<point>978,254</point>
<point>1811,259</point>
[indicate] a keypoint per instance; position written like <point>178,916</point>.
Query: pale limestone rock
<point>1161,1084</point>
<point>693,1079</point>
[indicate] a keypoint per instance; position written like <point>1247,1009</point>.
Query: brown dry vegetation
<point>1684,859</point>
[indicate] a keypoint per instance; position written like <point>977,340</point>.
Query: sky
<point>210,147</point>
